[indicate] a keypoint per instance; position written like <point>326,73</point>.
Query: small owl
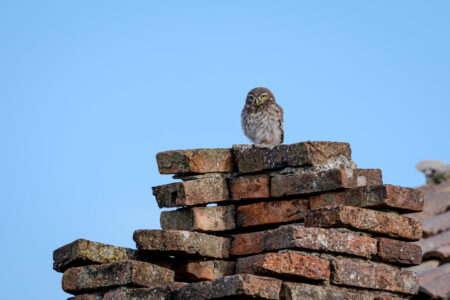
<point>262,118</point>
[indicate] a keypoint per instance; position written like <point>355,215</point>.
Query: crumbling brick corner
<point>295,221</point>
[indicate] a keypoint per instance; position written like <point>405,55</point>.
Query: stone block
<point>378,197</point>
<point>203,219</point>
<point>365,274</point>
<point>195,161</point>
<point>250,187</point>
<point>272,212</point>
<point>78,280</point>
<point>192,192</point>
<point>366,220</point>
<point>313,182</point>
<point>251,159</point>
<point>285,265</point>
<point>399,252</point>
<point>246,243</point>
<point>182,242</point>
<point>239,286</point>
<point>199,270</point>
<point>317,239</point>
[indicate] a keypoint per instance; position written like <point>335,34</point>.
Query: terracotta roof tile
<point>437,224</point>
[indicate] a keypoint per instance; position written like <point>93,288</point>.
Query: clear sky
<point>90,91</point>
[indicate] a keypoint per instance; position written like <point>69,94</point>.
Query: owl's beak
<point>257,102</point>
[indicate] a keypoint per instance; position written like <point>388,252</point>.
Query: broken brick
<point>246,243</point>
<point>366,220</point>
<point>249,187</point>
<point>400,252</point>
<point>285,265</point>
<point>191,192</point>
<point>239,285</point>
<point>318,239</point>
<point>196,270</point>
<point>195,161</point>
<point>182,242</point>
<point>264,213</point>
<point>78,280</point>
<point>204,219</point>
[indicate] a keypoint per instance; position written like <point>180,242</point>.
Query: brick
<point>313,182</point>
<point>285,265</point>
<point>368,177</point>
<point>365,274</point>
<point>437,224</point>
<point>92,296</point>
<point>78,280</point>
<point>296,290</point>
<point>203,219</point>
<point>138,293</point>
<point>250,187</point>
<point>194,270</point>
<point>182,242</point>
<point>195,161</point>
<point>192,192</point>
<point>82,252</point>
<point>318,239</point>
<point>251,159</point>
<point>366,220</point>
<point>264,213</point>
<point>399,252</point>
<point>378,196</point>
<point>239,286</point>
<point>246,243</point>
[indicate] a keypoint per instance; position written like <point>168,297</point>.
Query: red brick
<point>251,159</point>
<point>138,293</point>
<point>191,192</point>
<point>246,243</point>
<point>379,196</point>
<point>365,220</point>
<point>313,182</point>
<point>285,265</point>
<point>317,239</point>
<point>303,291</point>
<point>364,274</point>
<point>249,187</point>
<point>204,219</point>
<point>195,270</point>
<point>399,252</point>
<point>368,177</point>
<point>182,242</point>
<point>195,161</point>
<point>78,280</point>
<point>239,286</point>
<point>92,296</point>
<point>265,213</point>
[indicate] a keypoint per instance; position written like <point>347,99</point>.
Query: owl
<point>262,118</point>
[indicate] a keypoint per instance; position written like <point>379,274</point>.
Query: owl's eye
<point>251,98</point>
<point>263,96</point>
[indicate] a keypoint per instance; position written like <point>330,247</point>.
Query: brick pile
<point>296,221</point>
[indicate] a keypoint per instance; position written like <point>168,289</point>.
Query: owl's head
<point>259,96</point>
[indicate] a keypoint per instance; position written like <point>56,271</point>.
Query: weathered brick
<point>182,242</point>
<point>379,196</point>
<point>191,192</point>
<point>264,213</point>
<point>255,159</point>
<point>368,177</point>
<point>195,270</point>
<point>313,182</point>
<point>195,161</point>
<point>399,252</point>
<point>318,239</point>
<point>204,219</point>
<point>246,243</point>
<point>366,220</point>
<point>239,286</point>
<point>303,291</point>
<point>249,187</point>
<point>159,293</point>
<point>82,252</point>
<point>91,296</point>
<point>365,274</point>
<point>285,265</point>
<point>78,280</point>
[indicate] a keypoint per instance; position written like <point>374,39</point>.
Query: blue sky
<point>92,90</point>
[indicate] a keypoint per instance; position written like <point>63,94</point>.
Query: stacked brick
<point>295,221</point>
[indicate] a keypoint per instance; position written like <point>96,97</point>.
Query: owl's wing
<point>280,123</point>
